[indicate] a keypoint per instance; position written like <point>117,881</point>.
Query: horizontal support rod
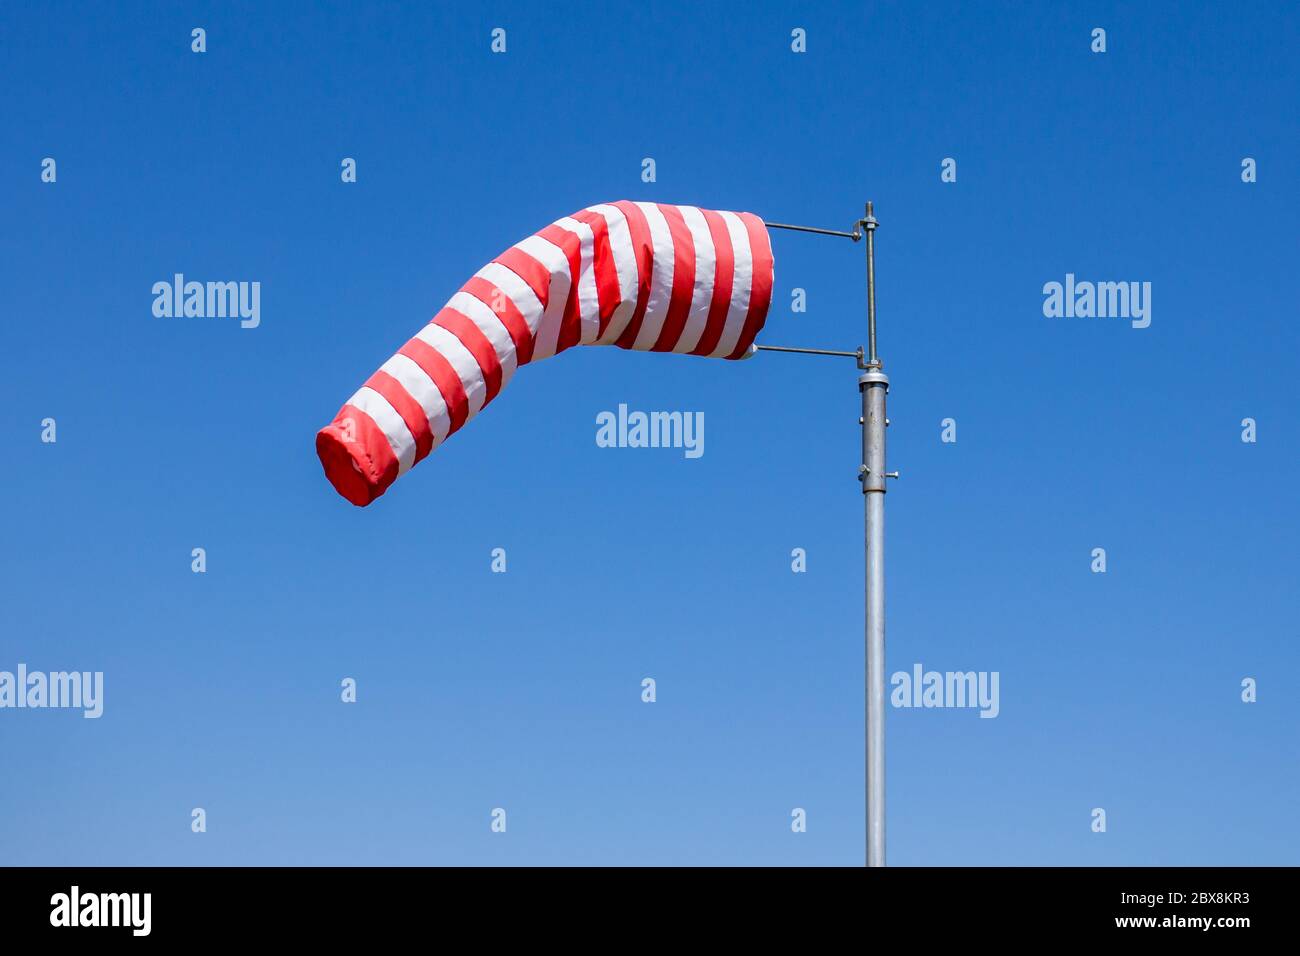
<point>784,348</point>
<point>855,235</point>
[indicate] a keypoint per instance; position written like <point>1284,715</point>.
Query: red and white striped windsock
<point>638,275</point>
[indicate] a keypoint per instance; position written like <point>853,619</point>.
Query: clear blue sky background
<point>522,690</point>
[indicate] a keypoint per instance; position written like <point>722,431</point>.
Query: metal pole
<point>873,384</point>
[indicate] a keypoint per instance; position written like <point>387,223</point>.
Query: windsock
<point>639,275</point>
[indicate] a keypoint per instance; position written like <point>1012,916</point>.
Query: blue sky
<point>522,690</point>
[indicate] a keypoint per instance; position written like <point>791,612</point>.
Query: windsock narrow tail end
<point>358,464</point>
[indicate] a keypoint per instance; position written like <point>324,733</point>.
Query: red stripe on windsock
<point>530,270</point>
<point>358,460</point>
<point>504,308</point>
<point>679,300</point>
<point>643,252</point>
<point>724,274</point>
<point>760,290</point>
<point>472,337</point>
<point>444,375</point>
<point>603,266</point>
<point>571,245</point>
<point>416,419</point>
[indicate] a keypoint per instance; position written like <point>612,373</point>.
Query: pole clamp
<point>864,473</point>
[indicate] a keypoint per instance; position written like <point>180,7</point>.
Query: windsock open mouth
<point>643,276</point>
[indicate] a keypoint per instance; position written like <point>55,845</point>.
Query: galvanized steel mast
<point>873,384</point>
